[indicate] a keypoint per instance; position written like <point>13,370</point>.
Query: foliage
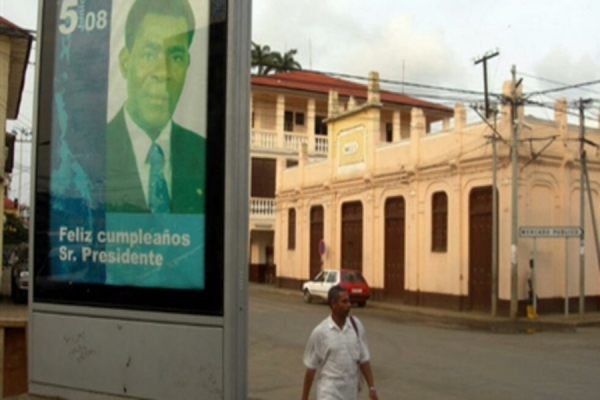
<point>286,62</point>
<point>265,61</point>
<point>261,58</point>
<point>14,230</point>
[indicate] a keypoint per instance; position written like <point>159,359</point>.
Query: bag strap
<point>360,383</point>
<point>354,325</point>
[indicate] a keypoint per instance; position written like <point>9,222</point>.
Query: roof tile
<point>316,82</point>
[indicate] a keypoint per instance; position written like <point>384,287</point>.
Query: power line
<point>412,84</point>
<point>563,88</point>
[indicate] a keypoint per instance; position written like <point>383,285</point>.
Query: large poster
<point>127,181</point>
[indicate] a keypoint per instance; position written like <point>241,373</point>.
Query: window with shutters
<point>439,222</point>
<point>389,132</point>
<point>264,177</point>
<point>291,229</point>
<point>320,125</point>
<point>288,121</point>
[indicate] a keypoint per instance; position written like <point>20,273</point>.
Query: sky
<point>432,42</point>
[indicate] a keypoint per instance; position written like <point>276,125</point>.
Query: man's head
<point>339,301</point>
<point>155,60</point>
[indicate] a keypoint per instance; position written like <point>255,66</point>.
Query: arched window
<point>291,229</point>
<point>439,222</point>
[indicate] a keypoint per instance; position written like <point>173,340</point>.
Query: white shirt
<point>141,143</point>
<point>337,353</point>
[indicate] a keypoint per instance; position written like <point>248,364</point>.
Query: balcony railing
<point>264,139</point>
<point>262,207</point>
<point>293,141</point>
<point>269,140</point>
<point>321,144</point>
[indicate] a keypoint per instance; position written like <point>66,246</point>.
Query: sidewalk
<point>472,320</point>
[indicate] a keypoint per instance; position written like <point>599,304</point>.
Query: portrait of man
<point>153,164</point>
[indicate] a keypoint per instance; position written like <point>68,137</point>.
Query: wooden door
<point>480,249</point>
<point>317,216</point>
<point>352,236</point>
<point>394,253</point>
<point>264,177</point>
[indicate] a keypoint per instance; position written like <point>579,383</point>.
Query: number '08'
<point>69,18</point>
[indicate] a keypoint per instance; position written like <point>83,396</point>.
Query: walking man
<point>337,348</point>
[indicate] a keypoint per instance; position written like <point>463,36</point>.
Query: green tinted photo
<point>155,143</point>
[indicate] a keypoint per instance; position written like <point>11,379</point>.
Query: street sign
<point>322,247</point>
<point>549,231</point>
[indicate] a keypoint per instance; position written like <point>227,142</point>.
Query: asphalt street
<point>424,358</point>
<point>416,356</point>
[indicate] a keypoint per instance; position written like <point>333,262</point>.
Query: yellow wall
<point>456,161</point>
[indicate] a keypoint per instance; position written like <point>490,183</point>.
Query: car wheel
<point>362,303</point>
<point>307,296</point>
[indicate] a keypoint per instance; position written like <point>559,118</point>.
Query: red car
<point>353,281</point>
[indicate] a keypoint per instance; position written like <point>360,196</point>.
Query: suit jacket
<point>123,188</point>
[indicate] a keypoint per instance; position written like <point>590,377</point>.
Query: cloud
<point>397,49</point>
<point>330,38</point>
<point>316,29</point>
<point>559,65</point>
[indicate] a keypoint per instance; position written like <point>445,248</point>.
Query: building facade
<point>288,111</point>
<point>414,213</point>
<point>15,47</point>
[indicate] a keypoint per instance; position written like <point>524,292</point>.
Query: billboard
<point>127,203</point>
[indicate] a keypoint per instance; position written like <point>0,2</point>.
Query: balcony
<point>262,207</point>
<point>287,141</point>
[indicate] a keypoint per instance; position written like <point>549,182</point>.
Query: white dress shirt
<point>336,352</point>
<point>141,143</point>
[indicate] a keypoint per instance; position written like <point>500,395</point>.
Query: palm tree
<point>285,62</point>
<point>261,58</point>
<point>266,61</point>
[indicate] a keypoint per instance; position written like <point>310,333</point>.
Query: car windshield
<point>352,277</point>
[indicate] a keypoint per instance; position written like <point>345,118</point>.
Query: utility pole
<point>515,102</point>
<point>494,138</point>
<point>582,165</point>
<point>494,221</point>
<point>484,60</point>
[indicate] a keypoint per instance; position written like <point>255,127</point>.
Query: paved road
<point>419,358</point>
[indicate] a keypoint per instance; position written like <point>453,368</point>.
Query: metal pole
<point>581,209</point>
<point>566,277</point>
<point>485,89</point>
<point>514,238</point>
<point>494,230</point>
<point>534,277</point>
<point>20,169</point>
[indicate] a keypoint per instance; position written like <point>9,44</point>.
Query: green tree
<point>14,230</point>
<point>261,59</point>
<point>286,61</point>
<point>265,61</point>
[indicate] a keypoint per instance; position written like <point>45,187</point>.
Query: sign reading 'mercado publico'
<point>550,231</point>
<point>139,227</point>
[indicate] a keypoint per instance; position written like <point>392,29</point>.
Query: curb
<point>554,323</point>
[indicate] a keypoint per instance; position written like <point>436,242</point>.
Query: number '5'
<point>68,17</point>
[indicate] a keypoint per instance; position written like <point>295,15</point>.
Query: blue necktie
<point>158,191</point>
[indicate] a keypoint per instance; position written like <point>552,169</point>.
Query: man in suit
<point>154,165</point>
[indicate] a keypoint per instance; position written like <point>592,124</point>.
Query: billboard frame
<point>231,321</point>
